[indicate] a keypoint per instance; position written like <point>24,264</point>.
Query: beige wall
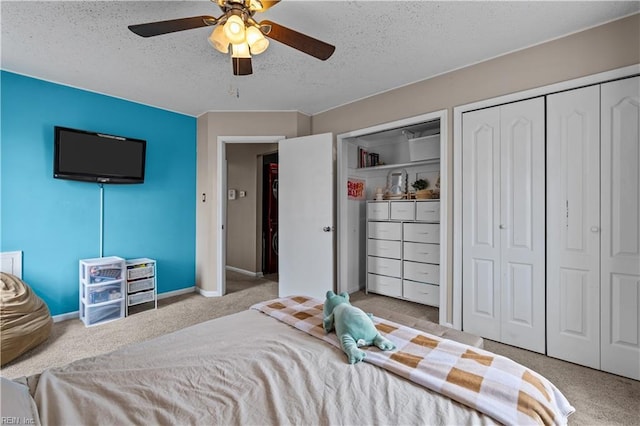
<point>210,126</point>
<point>243,243</point>
<point>610,46</point>
<point>607,47</point>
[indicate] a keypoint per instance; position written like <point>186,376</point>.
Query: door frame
<point>221,204</point>
<point>457,160</point>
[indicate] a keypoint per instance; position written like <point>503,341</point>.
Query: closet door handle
<point>502,227</point>
<point>595,229</point>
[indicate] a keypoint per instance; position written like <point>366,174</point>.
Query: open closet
<point>389,159</point>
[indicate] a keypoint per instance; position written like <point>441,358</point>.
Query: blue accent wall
<point>57,222</point>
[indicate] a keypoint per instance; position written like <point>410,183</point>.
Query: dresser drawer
<point>421,293</point>
<point>384,248</point>
<point>422,252</point>
<point>385,230</point>
<point>384,285</point>
<point>384,266</point>
<point>378,211</point>
<point>422,232</point>
<point>428,211</point>
<point>403,210</point>
<point>422,272</point>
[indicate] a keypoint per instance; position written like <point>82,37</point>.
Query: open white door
<point>305,206</point>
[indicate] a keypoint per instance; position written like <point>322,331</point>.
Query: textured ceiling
<point>380,45</point>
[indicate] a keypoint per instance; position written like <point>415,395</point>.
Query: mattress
<point>246,368</point>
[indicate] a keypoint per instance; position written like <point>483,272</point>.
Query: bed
<point>253,367</point>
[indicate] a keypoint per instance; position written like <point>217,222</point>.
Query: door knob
<point>327,228</point>
<point>502,227</point>
<point>595,229</point>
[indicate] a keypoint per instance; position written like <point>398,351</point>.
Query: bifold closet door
<point>481,252</point>
<point>573,223</point>
<point>620,215</point>
<point>503,223</point>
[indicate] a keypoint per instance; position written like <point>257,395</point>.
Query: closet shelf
<point>399,165</point>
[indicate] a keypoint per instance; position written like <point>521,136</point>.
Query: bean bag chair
<point>25,321</point>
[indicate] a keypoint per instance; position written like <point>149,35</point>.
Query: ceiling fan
<point>236,27</point>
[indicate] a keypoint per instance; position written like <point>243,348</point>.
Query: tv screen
<point>97,157</point>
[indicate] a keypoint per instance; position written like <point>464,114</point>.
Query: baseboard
<point>244,271</point>
<point>182,291</point>
<point>207,293</point>
<point>67,316</point>
<point>76,314</point>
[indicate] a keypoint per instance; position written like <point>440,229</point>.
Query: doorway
<point>240,210</point>
<point>270,215</point>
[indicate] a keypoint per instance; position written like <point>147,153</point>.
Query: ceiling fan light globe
<point>257,42</point>
<point>219,40</point>
<point>240,50</point>
<point>234,29</point>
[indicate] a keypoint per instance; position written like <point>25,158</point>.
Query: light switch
<point>242,194</point>
<point>232,194</point>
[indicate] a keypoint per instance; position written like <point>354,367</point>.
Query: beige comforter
<point>246,369</point>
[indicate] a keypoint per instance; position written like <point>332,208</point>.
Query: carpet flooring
<point>600,398</point>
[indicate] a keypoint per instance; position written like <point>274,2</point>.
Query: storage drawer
<point>135,272</point>
<point>384,248</point>
<point>378,210</point>
<point>423,272</point>
<point>384,285</point>
<point>94,315</point>
<point>140,285</point>
<point>422,252</point>
<point>402,210</point>
<point>422,232</point>
<point>145,296</point>
<point>385,230</point>
<point>142,307</point>
<point>384,266</point>
<point>102,293</point>
<point>428,211</point>
<point>421,293</point>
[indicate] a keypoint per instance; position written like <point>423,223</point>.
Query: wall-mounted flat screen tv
<point>97,157</point>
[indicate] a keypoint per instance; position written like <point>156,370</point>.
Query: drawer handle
<point>423,233</point>
<point>429,211</point>
<point>402,210</point>
<point>425,253</point>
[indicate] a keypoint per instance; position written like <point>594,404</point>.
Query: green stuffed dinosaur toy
<point>354,328</point>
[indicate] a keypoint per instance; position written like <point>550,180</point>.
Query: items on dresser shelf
<point>101,290</point>
<point>403,249</point>
<point>141,285</point>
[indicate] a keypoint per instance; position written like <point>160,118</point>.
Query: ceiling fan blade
<point>163,27</point>
<point>242,66</point>
<point>302,42</point>
<point>266,4</point>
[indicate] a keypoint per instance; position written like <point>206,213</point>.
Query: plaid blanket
<point>492,384</point>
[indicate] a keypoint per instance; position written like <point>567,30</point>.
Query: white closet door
<point>573,226</point>
<point>522,224</point>
<point>480,219</point>
<point>620,201</point>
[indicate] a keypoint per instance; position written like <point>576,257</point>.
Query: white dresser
<point>403,249</point>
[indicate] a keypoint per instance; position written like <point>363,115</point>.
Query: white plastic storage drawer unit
<point>101,290</point>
